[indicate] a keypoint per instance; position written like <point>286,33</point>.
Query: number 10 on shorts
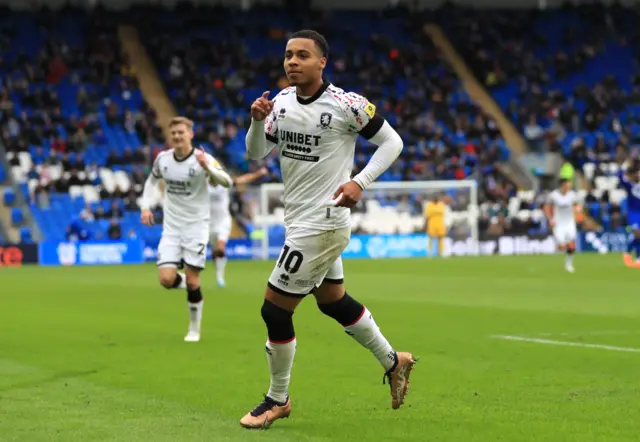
<point>292,261</point>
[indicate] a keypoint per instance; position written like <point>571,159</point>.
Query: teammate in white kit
<point>314,125</point>
<point>561,212</point>
<point>220,224</point>
<point>186,172</point>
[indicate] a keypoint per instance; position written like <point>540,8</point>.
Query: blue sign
<point>242,248</point>
<point>386,246</point>
<point>604,242</point>
<point>54,253</point>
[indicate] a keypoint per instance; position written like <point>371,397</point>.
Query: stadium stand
<point>80,137</point>
<point>572,92</point>
<point>77,132</point>
<point>447,136</point>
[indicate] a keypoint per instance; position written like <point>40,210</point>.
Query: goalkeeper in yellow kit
<point>434,215</point>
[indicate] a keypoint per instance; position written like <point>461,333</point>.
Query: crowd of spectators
<point>215,61</point>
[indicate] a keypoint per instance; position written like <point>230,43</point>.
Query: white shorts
<point>565,233</point>
<point>219,231</point>
<point>176,250</point>
<point>307,261</point>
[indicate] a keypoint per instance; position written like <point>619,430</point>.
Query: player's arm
<point>155,177</point>
<point>215,172</point>
<point>262,134</point>
<point>250,177</point>
<point>577,209</point>
<point>548,213</point>
<point>624,180</point>
<point>379,132</point>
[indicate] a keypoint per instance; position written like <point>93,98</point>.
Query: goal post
<point>387,208</point>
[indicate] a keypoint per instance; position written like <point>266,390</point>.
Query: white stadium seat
<point>122,179</point>
<point>614,168</point>
<point>56,172</point>
<point>602,182</point>
<point>524,215</point>
<point>106,175</point>
<point>32,184</point>
<point>76,191</point>
<point>25,161</point>
<point>18,174</point>
<point>616,196</point>
<point>589,169</point>
<point>514,205</point>
<point>90,194</point>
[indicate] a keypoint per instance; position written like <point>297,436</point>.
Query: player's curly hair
<point>317,37</point>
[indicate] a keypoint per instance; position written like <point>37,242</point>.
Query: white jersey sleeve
<point>359,113</point>
<point>155,169</point>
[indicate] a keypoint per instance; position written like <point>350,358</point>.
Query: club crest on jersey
<point>192,171</point>
<point>281,114</point>
<point>325,120</point>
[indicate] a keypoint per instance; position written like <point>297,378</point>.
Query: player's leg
<point>559,235</point>
<point>168,261</point>
<point>194,255</point>
<point>282,296</point>
<point>632,257</point>
<point>215,253</point>
<point>303,263</point>
<point>570,246</point>
<point>570,249</point>
<point>219,246</point>
<point>441,244</point>
<point>358,322</point>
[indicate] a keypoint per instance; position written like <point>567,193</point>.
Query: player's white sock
<point>368,334</point>
<point>195,315</point>
<point>569,259</point>
<point>195,302</point>
<point>280,357</point>
<point>221,263</point>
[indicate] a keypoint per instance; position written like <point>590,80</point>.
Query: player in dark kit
<point>314,125</point>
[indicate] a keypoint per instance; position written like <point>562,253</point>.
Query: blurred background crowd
<point>79,137</point>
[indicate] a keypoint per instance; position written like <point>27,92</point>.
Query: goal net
<point>389,220</point>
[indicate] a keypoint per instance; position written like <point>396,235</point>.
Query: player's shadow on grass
<point>45,380</point>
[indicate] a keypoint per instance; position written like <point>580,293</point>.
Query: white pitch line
<point>566,343</point>
<point>590,333</point>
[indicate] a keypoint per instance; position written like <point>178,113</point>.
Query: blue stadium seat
<point>25,235</point>
<point>9,197</point>
<point>17,218</point>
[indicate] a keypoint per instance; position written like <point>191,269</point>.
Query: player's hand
<point>201,157</point>
<point>348,194</point>
<point>552,223</point>
<point>263,171</point>
<point>262,107</point>
<point>146,217</point>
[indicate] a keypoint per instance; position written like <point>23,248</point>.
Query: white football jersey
<point>316,140</point>
<point>563,206</point>
<point>219,203</point>
<point>186,198</point>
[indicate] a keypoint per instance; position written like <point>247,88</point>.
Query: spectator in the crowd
<point>114,231</point>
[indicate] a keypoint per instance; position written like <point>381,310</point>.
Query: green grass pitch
<point>96,354</point>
